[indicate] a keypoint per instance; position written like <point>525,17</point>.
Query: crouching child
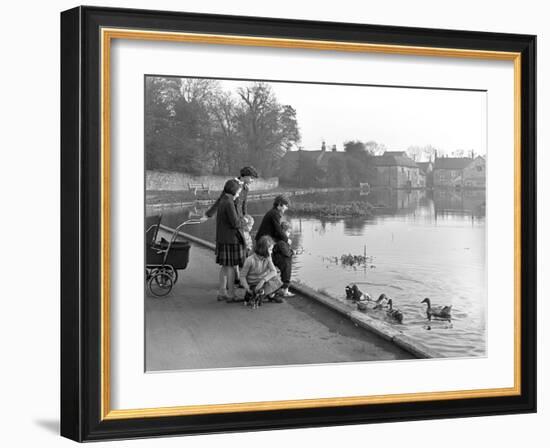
<point>258,274</point>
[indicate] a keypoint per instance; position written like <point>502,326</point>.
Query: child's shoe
<point>286,293</point>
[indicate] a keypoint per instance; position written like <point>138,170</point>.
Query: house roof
<point>322,157</point>
<point>329,155</point>
<point>394,158</point>
<point>395,153</point>
<point>389,158</point>
<point>452,163</point>
<point>291,161</point>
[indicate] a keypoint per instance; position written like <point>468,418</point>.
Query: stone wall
<point>173,181</point>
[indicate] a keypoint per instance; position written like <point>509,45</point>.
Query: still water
<point>417,244</point>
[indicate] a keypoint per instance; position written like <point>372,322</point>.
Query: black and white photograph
<point>299,223</point>
<point>273,224</point>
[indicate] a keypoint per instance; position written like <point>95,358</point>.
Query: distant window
<point>479,168</point>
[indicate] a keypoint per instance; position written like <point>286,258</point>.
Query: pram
<point>165,257</point>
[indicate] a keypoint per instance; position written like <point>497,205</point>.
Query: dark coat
<point>283,249</point>
<point>240,203</point>
<point>227,221</point>
<point>271,225</point>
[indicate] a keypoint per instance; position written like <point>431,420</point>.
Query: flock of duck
<point>365,302</point>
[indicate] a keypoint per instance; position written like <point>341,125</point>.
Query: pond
<point>418,244</point>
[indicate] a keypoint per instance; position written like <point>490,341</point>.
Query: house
<point>459,172</point>
<point>474,175</point>
<point>396,169</point>
<point>322,159</point>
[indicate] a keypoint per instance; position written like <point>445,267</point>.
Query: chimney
<point>323,146</point>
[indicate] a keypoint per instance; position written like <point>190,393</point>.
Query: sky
<point>395,117</point>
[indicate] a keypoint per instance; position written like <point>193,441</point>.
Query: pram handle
<point>176,233</point>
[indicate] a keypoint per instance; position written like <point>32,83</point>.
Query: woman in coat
<point>230,251</point>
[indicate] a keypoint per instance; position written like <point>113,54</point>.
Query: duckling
<point>394,314</point>
<point>440,312</point>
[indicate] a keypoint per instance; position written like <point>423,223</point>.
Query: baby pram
<point>165,257</point>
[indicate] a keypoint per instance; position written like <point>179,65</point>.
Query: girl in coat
<point>230,251</point>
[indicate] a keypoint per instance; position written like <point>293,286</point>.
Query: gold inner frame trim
<point>107,34</point>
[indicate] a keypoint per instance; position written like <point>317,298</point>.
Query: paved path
<point>189,329</point>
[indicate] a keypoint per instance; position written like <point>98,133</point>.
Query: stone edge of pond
<point>364,321</point>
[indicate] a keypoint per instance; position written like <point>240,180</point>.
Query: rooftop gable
<point>394,158</point>
<point>452,163</point>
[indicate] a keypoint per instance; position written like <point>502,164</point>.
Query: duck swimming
<point>381,302</point>
<point>349,292</point>
<point>394,314</point>
<point>355,294</point>
<point>440,312</point>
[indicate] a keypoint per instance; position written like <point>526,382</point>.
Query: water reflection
<point>466,202</point>
<point>420,244</point>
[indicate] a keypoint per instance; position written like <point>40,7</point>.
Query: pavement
<point>190,329</point>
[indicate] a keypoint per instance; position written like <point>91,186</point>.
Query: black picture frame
<point>81,224</point>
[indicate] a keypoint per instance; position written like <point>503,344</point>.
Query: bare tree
<point>422,153</point>
<point>267,128</point>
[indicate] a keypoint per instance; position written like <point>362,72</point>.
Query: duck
<point>440,312</point>
<point>381,302</point>
<point>355,294</point>
<point>361,296</point>
<point>349,292</point>
<point>394,314</point>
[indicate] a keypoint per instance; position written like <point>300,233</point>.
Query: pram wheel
<point>160,283</point>
<point>172,272</point>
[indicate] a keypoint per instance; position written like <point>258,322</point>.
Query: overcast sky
<point>396,117</point>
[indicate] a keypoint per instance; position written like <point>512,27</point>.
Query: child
<point>259,273</point>
<point>247,222</point>
<point>282,258</point>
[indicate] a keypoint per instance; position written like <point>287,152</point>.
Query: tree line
<point>193,125</point>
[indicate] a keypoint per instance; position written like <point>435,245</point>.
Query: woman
<point>230,251</point>
<point>259,273</point>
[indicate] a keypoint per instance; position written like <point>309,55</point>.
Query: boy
<point>271,222</point>
<point>282,259</point>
